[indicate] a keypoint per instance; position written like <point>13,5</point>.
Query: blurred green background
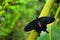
<point>16,14</point>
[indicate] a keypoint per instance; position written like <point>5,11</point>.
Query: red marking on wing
<point>39,24</point>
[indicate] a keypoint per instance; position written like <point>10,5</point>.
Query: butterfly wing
<point>46,20</point>
<point>30,26</point>
<point>43,20</point>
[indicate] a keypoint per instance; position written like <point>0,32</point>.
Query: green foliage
<point>23,12</point>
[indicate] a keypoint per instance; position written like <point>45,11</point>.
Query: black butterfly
<point>39,24</point>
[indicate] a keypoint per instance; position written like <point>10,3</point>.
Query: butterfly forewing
<point>46,20</point>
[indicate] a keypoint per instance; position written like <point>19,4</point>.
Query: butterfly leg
<point>39,34</point>
<point>47,31</point>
